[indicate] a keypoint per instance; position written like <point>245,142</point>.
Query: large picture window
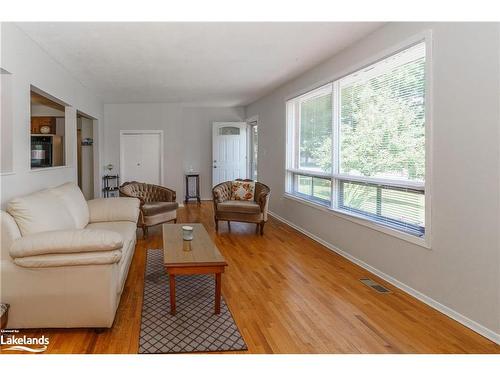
<point>357,145</point>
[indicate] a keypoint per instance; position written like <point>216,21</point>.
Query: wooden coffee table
<point>199,256</point>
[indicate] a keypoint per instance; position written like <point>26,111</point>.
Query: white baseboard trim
<point>482,330</point>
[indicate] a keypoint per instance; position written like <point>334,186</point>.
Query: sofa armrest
<point>113,209</point>
<point>70,260</point>
<point>66,241</point>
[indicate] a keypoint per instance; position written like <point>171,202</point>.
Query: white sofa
<point>64,261</point>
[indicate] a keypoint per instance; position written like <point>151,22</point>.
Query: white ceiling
<point>221,64</point>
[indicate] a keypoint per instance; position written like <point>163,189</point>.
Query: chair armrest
<point>263,200</point>
<point>113,209</point>
<point>66,242</point>
<point>221,192</point>
<point>163,194</point>
<point>70,260</point>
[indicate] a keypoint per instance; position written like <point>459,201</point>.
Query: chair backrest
<point>225,188</point>
<point>146,192</point>
<point>259,187</point>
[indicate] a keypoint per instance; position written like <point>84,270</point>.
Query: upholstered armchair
<point>158,203</point>
<point>251,211</point>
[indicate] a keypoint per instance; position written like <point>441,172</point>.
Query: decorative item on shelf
<point>45,129</point>
<point>187,233</point>
<point>110,185</point>
<point>109,167</point>
<point>87,142</point>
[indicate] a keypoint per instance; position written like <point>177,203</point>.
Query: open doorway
<point>85,154</point>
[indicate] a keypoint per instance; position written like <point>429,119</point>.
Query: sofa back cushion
<point>75,202</point>
<point>40,212</point>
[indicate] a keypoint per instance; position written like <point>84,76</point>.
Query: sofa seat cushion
<point>126,229</point>
<point>153,208</point>
<point>242,207</point>
<point>66,241</point>
<point>42,211</point>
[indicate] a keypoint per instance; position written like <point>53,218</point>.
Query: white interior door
<point>229,151</point>
<point>141,157</point>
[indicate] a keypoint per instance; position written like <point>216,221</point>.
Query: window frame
<point>292,167</point>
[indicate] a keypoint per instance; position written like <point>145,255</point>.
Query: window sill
<point>33,170</point>
<point>422,242</point>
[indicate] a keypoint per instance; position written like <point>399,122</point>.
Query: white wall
<point>187,137</point>
<point>45,111</point>
<point>462,270</point>
<point>30,65</point>
<point>6,151</point>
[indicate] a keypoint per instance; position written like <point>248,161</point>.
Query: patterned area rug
<point>195,327</point>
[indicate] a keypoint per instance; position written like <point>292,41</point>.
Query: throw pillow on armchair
<point>242,190</point>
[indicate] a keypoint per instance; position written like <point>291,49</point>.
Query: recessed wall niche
<point>47,131</point>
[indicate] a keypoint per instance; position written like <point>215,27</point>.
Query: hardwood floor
<point>288,294</point>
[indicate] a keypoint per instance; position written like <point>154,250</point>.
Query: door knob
<point>215,166</point>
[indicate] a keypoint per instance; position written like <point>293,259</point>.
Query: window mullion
<point>379,201</point>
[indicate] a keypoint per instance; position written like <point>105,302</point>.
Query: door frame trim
<point>162,155</point>
<point>250,121</point>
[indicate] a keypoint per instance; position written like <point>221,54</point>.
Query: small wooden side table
<point>110,185</point>
<point>196,196</point>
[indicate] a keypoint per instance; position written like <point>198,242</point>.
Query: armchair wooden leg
<point>175,221</point>
<point>262,227</point>
<point>145,231</point>
<point>229,225</point>
<point>216,224</point>
<point>257,228</point>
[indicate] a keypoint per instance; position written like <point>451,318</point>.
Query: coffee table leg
<point>172,294</point>
<point>217,292</point>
